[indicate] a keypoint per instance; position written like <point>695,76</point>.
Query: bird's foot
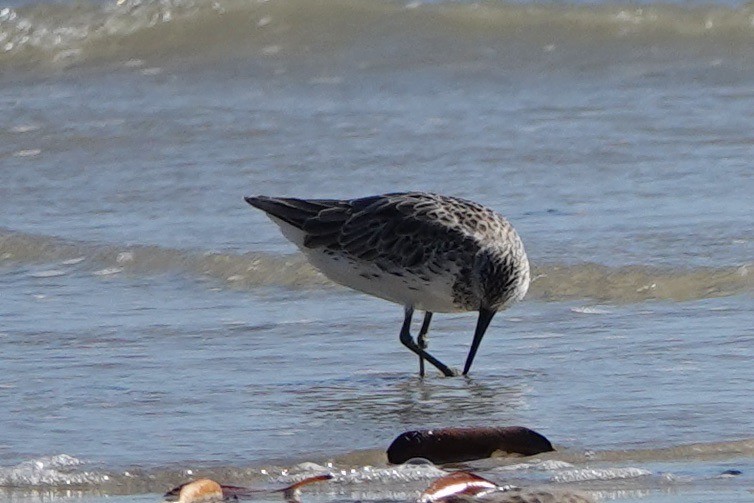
<point>450,372</point>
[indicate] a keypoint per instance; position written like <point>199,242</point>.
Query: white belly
<point>407,290</point>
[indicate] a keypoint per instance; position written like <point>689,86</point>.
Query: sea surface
<point>155,328</point>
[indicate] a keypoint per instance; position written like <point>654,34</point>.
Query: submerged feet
<point>421,339</point>
<point>408,341</point>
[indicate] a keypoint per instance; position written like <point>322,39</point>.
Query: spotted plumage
<point>424,251</point>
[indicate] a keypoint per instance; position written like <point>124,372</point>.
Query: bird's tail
<point>290,210</point>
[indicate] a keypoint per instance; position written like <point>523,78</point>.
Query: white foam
<point>22,128</point>
<point>73,261</point>
<point>124,257</point>
<point>401,473</point>
<point>545,466</point>
<point>51,273</point>
<point>584,474</point>
<point>27,153</point>
<point>590,310</point>
<point>108,271</point>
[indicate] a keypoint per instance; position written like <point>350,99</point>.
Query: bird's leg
<point>421,339</point>
<point>408,341</point>
<point>485,317</point>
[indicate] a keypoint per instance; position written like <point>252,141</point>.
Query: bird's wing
<point>394,230</point>
<point>399,230</point>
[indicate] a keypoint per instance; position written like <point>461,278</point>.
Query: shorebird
<point>433,253</point>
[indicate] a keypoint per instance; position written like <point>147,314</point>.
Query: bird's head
<point>501,277</point>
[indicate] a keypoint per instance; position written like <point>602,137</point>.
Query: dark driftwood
<point>453,445</point>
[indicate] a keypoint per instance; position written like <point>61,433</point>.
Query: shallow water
<point>153,323</point>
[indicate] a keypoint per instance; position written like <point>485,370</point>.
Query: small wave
<point>131,31</point>
<point>553,282</point>
<point>59,470</point>
<point>67,471</point>
<point>50,273</point>
<point>240,271</point>
<point>359,480</point>
<point>688,452</point>
<point>637,283</point>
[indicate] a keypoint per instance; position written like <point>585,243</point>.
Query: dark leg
<point>408,341</point>
<point>485,317</point>
<point>421,339</point>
